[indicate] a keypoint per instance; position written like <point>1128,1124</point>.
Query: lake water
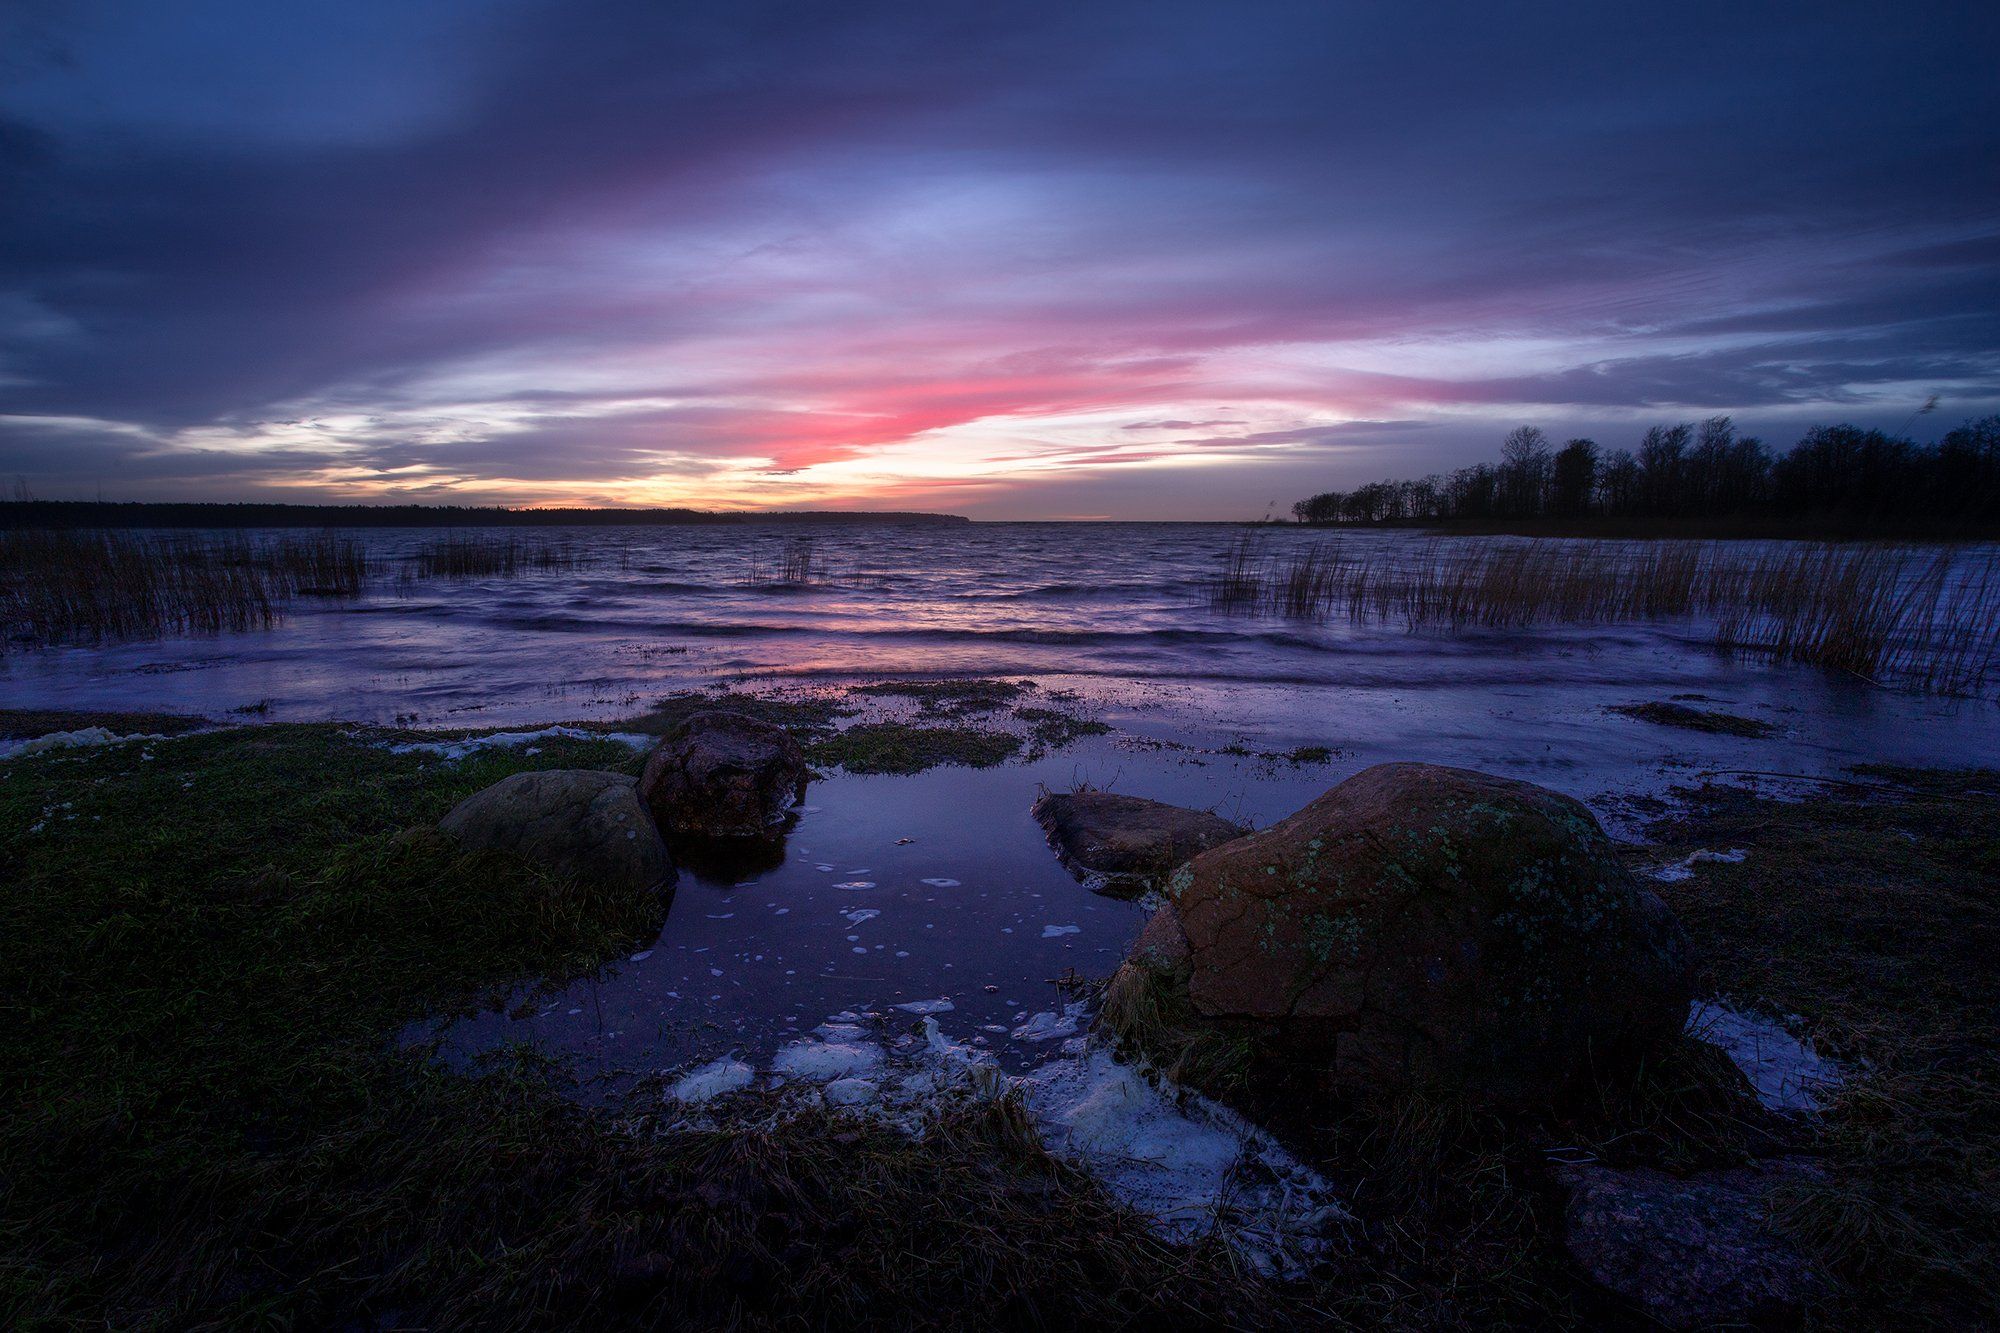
<point>973,908</point>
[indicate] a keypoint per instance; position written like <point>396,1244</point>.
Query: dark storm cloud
<point>672,232</point>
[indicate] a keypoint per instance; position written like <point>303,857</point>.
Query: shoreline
<point>1876,979</point>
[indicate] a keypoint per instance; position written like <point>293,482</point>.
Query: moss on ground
<point>902,747</point>
<point>204,1120</point>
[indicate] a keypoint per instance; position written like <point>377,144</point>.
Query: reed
<point>466,557</point>
<point>85,587</point>
<point>799,564</point>
<point>320,566</point>
<point>1889,614</point>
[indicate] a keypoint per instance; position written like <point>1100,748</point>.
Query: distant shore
<point>1726,527</point>
<point>109,514</point>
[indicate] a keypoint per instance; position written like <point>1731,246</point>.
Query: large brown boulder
<point>580,822</point>
<point>724,775</point>
<point>1127,843</point>
<point>1416,926</point>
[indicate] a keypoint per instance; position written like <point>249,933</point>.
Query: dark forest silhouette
<point>30,513</point>
<point>1835,476</point>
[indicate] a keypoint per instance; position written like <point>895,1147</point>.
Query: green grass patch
<point>950,696</point>
<point>805,716</point>
<point>901,747</point>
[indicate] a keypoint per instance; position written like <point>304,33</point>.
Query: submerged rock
<point>581,822</point>
<point>1694,719</point>
<point>1416,926</point>
<point>1127,842</point>
<point>724,775</point>
<point>1695,1251</point>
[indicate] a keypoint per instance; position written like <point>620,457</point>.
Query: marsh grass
<point>64,586</point>
<point>464,557</point>
<point>1874,911</point>
<point>1928,620</point>
<point>798,563</point>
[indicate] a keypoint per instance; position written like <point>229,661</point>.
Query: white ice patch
<point>1047,1026</point>
<point>942,883</point>
<point>711,1081</point>
<point>1053,932</point>
<point>459,749</point>
<point>1193,1167</point>
<point>1788,1075</point>
<point>941,1005</point>
<point>856,884</point>
<point>849,1092</point>
<point>71,740</point>
<point>1676,871</point>
<point>861,914</point>
<point>824,1061</point>
<point>1190,1165</point>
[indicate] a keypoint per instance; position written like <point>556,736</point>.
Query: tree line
<point>1834,473</point>
<point>26,512</point>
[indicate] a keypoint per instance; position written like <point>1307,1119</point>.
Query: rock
<point>1416,926</point>
<point>724,775</point>
<point>1695,1251</point>
<point>1127,841</point>
<point>580,822</point>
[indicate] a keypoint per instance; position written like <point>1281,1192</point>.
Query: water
<point>1113,614</point>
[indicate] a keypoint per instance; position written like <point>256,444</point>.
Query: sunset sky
<point>1076,259</point>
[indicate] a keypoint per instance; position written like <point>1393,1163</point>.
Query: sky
<point>1015,260</point>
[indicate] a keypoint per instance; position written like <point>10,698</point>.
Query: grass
<point>799,564</point>
<point>62,586</point>
<point>463,556</point>
<point>1667,714</point>
<point>951,696</point>
<point>24,723</point>
<point>1874,910</point>
<point>806,716</point>
<point>1928,620</point>
<point>204,1124</point>
<point>902,747</point>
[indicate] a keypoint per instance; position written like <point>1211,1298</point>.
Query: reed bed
<point>84,587</point>
<point>799,564</point>
<point>466,557</point>
<point>1929,620</point>
<point>64,586</point>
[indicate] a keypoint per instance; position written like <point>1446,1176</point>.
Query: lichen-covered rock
<point>724,775</point>
<point>1697,1251</point>
<point>1417,926</point>
<point>579,822</point>
<point>1127,843</point>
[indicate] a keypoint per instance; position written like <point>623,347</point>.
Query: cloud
<point>769,250</point>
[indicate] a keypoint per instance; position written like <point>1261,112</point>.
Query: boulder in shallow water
<point>1127,842</point>
<point>724,775</point>
<point>1416,926</point>
<point>1696,1251</point>
<point>580,822</point>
